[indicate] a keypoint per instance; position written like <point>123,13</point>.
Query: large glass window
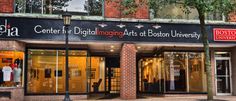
<point>97,74</point>
<point>46,71</point>
<point>152,75</point>
<point>11,68</point>
<point>185,72</point>
<point>75,7</point>
<point>197,72</point>
<point>173,72</point>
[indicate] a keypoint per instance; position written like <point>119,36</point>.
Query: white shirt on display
<point>6,73</point>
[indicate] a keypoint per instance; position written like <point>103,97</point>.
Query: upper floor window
<point>168,10</point>
<point>75,7</point>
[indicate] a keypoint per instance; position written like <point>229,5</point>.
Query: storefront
<point>168,57</point>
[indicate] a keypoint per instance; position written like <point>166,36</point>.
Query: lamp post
<point>67,19</point>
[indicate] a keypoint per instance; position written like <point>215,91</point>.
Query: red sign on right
<point>222,34</point>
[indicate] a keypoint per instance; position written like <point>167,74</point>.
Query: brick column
<point>6,6</point>
<point>128,72</point>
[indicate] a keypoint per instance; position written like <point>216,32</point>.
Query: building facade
<point>110,52</point>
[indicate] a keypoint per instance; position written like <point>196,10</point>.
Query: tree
<point>202,7</point>
<point>94,7</point>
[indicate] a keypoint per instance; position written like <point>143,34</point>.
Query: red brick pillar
<point>128,72</point>
<point>6,6</point>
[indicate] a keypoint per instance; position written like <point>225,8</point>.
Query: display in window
<point>10,73</point>
<point>6,60</point>
<point>58,73</point>
<point>75,72</point>
<point>47,73</point>
<point>6,73</point>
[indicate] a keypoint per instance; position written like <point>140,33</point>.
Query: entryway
<point>223,73</point>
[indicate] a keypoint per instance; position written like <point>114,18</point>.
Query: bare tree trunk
<point>207,55</point>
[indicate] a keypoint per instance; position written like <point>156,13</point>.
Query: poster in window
<point>58,73</point>
<point>75,72</point>
<point>6,60</point>
<point>92,75</point>
<point>47,73</point>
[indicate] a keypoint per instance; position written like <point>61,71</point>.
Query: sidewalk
<point>177,98</point>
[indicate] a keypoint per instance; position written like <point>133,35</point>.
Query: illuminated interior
<point>173,72</point>
<point>8,58</point>
<point>46,71</point>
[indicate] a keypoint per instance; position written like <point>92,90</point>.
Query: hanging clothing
<point>17,74</point>
<point>7,73</point>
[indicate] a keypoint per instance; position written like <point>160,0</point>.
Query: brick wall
<point>128,72</point>
<point>112,10</point>
<point>232,17</point>
<point>17,94</point>
<point>6,6</point>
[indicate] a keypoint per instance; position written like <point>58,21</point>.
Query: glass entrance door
<point>113,79</point>
<point>223,75</point>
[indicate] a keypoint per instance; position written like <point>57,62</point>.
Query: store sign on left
<point>9,30</point>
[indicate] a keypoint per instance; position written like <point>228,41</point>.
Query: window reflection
<point>75,7</point>
<point>176,71</point>
<point>167,10</point>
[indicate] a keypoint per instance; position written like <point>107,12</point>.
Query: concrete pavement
<point>174,98</point>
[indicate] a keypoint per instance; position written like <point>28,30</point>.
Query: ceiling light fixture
<point>111,50</point>
<point>112,46</point>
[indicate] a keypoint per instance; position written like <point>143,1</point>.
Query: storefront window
<point>173,72</point>
<point>197,73</point>
<point>176,71</point>
<point>152,75</point>
<point>185,71</point>
<point>75,7</point>
<point>97,74</point>
<point>46,71</point>
<point>11,68</point>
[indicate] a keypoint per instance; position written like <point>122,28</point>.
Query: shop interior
<point>11,68</point>
<point>161,68</point>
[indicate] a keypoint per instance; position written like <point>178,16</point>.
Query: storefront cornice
<point>100,18</point>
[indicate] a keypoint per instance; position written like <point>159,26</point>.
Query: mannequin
<point>17,75</point>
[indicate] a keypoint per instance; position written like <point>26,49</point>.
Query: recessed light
<point>138,47</point>
<point>112,46</point>
<point>111,50</point>
<point>42,53</point>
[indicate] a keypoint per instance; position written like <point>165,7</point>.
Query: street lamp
<point>67,19</point>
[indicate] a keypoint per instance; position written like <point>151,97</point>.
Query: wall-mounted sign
<point>223,34</point>
<point>6,60</point>
<point>83,30</point>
